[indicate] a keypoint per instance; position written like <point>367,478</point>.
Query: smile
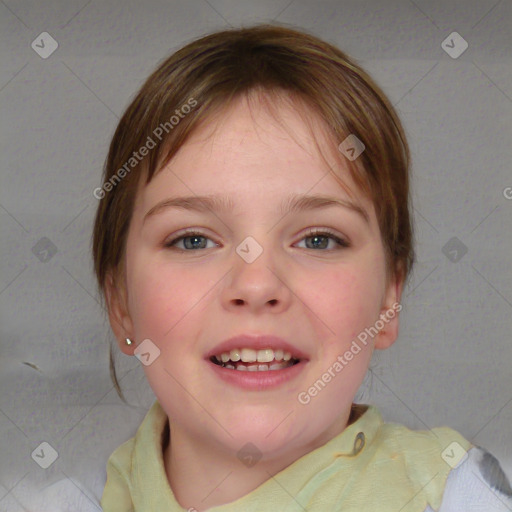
<point>255,375</point>
<point>247,359</point>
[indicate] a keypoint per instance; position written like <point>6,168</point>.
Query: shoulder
<point>116,493</point>
<point>121,458</point>
<point>147,436</point>
<point>477,484</point>
<point>439,437</point>
<point>453,474</point>
<point>132,460</point>
<point>468,478</point>
<point>440,449</point>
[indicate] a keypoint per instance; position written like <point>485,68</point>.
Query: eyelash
<point>342,244</point>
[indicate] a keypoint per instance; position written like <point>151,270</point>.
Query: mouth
<point>257,362</point>
<point>251,360</point>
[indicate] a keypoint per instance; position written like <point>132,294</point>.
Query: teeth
<point>258,367</point>
<point>249,355</point>
<point>265,356</point>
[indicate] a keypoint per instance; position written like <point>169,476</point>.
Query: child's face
<point>315,294</point>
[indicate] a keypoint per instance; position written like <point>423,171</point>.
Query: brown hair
<point>202,77</point>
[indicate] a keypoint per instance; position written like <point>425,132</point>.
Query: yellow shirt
<point>370,466</point>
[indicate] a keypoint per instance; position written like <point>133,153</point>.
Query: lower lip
<point>260,380</point>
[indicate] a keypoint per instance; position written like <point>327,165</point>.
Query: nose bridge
<point>253,260</point>
<point>254,277</point>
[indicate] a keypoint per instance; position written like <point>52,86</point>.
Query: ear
<point>118,314</point>
<point>389,312</point>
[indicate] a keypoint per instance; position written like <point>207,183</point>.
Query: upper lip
<point>256,342</point>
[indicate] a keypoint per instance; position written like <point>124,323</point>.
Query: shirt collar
<point>364,422</point>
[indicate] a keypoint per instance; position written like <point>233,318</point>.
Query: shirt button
<point>358,443</point>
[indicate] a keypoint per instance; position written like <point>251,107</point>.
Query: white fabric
<point>467,488</point>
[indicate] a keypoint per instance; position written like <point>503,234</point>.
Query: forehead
<point>258,146</point>
<point>263,127</point>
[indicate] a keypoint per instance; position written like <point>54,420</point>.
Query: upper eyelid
<point>200,231</point>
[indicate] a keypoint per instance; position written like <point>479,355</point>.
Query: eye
<point>320,239</point>
<point>192,240</point>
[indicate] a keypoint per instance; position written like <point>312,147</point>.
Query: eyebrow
<point>294,203</point>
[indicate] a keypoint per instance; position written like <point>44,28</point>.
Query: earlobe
<point>118,314</point>
<point>389,315</point>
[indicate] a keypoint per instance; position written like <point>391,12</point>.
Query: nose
<point>258,284</point>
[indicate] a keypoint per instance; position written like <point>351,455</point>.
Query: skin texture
<point>319,299</point>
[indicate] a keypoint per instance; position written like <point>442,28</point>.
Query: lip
<point>257,342</point>
<point>258,381</point>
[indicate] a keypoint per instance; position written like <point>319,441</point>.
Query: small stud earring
<point>128,341</point>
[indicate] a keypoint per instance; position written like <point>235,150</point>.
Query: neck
<point>203,476</point>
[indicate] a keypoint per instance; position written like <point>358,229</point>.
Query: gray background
<point>452,362</point>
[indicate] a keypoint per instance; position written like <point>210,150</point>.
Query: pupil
<point>316,238</point>
<point>192,246</point>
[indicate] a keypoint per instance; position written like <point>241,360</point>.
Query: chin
<point>271,435</point>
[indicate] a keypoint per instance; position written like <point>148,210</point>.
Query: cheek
<point>164,298</point>
<point>347,301</point>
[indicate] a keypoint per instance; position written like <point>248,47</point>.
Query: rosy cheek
<point>167,300</point>
<point>149,298</point>
<point>355,303</point>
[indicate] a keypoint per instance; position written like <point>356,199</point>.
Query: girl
<point>252,241</point>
